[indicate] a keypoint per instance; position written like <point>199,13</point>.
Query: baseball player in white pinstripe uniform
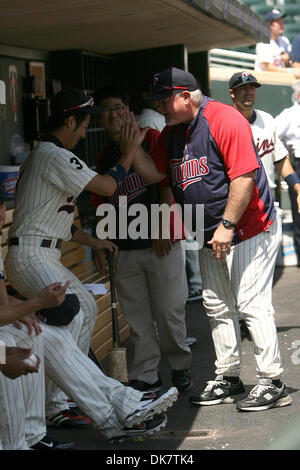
<point>207,151</point>
<point>271,150</point>
<point>50,180</point>
<point>22,387</point>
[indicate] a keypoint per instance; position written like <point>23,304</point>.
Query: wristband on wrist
<point>292,179</point>
<point>73,229</point>
<point>117,172</point>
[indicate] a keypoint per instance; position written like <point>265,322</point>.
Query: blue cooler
<point>8,179</point>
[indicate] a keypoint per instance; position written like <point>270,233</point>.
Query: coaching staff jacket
<point>200,160</point>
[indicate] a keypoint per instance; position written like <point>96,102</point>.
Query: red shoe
<point>69,419</point>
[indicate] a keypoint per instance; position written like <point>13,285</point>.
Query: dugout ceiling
<point>114,26</point>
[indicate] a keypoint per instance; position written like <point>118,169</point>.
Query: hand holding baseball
<point>15,365</point>
<point>31,361</point>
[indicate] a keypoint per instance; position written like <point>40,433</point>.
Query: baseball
<point>31,360</point>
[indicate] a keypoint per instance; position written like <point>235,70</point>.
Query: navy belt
<point>45,243</point>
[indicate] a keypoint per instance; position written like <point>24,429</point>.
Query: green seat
<point>290,9</point>
<point>247,49</point>
<point>291,28</point>
<point>261,10</point>
<point>251,2</point>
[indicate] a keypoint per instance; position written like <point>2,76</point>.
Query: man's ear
<point>70,122</point>
<point>186,96</point>
<point>231,92</point>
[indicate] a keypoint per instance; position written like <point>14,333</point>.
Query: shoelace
<point>259,390</point>
<point>214,383</point>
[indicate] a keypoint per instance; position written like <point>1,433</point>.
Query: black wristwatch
<point>228,224</point>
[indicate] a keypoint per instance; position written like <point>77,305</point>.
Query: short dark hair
<point>111,92</point>
<point>57,121</point>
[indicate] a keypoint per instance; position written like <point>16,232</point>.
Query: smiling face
<point>112,117</point>
<point>244,97</point>
<point>176,109</point>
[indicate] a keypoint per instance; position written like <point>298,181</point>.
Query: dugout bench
<point>73,257</point>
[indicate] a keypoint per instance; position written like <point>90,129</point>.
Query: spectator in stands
<point>295,56</point>
<point>288,130</point>
<point>274,56</point>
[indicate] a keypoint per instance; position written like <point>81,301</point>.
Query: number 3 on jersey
<point>77,163</point>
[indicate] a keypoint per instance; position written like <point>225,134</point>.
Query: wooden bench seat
<point>73,257</point>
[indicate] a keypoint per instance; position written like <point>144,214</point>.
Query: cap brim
<point>277,18</point>
<point>256,84</point>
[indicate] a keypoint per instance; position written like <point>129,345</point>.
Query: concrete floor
<point>221,427</point>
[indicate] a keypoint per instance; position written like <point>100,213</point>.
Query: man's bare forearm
<point>83,238</point>
<point>12,312</point>
<point>239,196</point>
<point>145,167</point>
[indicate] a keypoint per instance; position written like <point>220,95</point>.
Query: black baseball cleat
<point>145,428</point>
<point>48,443</point>
<point>152,403</point>
<point>145,386</point>
<point>69,419</point>
<point>218,391</point>
<point>182,379</point>
<point>265,395</point>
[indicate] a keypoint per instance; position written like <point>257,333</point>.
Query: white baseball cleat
<point>150,404</point>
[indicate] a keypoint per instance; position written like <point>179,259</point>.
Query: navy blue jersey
<point>136,188</point>
<point>200,160</point>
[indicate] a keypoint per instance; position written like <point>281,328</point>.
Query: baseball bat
<point>117,355</point>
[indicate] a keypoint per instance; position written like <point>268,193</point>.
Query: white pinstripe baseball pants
<point>22,401</point>
<point>30,268</point>
<point>106,401</point>
<point>243,285</point>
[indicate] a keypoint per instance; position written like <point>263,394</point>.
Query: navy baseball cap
<point>73,99</point>
<point>241,78</point>
<point>274,14</point>
<point>170,82</point>
<point>61,315</point>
